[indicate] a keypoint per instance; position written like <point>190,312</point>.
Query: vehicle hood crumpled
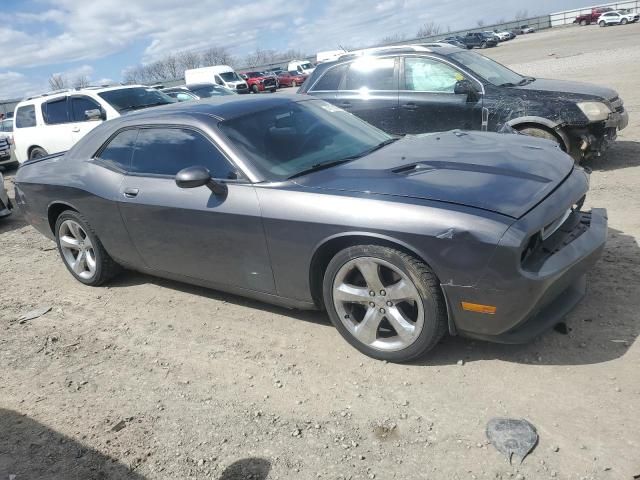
<point>504,173</point>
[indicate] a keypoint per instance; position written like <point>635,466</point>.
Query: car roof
<point>46,96</point>
<point>222,107</point>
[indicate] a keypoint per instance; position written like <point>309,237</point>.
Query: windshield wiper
<point>333,163</point>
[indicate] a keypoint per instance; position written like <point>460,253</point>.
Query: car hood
<point>565,86</point>
<point>504,173</point>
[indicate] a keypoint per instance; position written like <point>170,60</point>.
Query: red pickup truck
<point>259,81</point>
<point>589,18</point>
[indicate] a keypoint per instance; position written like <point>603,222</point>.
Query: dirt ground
<point>152,379</point>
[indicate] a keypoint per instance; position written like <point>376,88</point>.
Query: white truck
<point>222,75</point>
<point>300,66</point>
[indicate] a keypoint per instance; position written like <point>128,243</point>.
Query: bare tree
<point>171,67</point>
<point>81,81</point>
<point>522,14</point>
<point>217,56</point>
<point>188,60</point>
<point>398,37</point>
<point>57,81</point>
<point>501,20</point>
<point>480,23</point>
<point>429,29</point>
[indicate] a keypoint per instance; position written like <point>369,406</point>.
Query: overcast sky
<point>101,38</point>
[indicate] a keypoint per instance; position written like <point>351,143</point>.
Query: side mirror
<point>465,87</point>
<point>198,176</point>
<point>95,114</point>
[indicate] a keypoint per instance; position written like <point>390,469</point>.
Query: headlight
<point>594,111</point>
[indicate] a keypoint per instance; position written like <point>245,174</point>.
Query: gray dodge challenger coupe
<point>295,202</point>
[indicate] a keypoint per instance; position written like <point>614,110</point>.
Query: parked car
<point>494,35</point>
<point>5,202</point>
<point>617,18</point>
<point>292,79</point>
<point>184,93</point>
<point>6,143</point>
<point>479,40</point>
<point>300,66</point>
<point>448,88</point>
<point>260,82</point>
<point>455,41</point>
<point>293,201</point>
<point>222,75</point>
<point>524,29</point>
<point>503,35</point>
<point>53,122</point>
<point>591,17</point>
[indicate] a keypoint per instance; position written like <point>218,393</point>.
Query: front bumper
<point>533,296</point>
<point>595,138</point>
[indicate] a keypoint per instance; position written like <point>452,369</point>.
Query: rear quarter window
<point>119,151</point>
<point>26,116</point>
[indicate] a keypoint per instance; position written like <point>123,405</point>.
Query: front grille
<point>269,81</point>
<point>241,86</point>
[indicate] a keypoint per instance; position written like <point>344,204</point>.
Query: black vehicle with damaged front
<point>438,87</point>
<point>293,201</point>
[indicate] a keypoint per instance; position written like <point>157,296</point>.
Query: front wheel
<point>623,21</point>
<point>385,302</point>
<point>483,45</point>
<point>294,84</point>
<point>583,22</point>
<point>81,250</point>
<point>255,89</point>
<point>602,23</point>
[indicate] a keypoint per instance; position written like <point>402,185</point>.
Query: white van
<point>300,66</point>
<point>53,122</point>
<point>222,75</point>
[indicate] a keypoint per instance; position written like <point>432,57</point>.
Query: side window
<point>26,117</point>
<point>183,97</point>
<point>218,80</point>
<point>119,150</point>
<point>79,105</point>
<point>330,80</point>
<point>55,112</point>
<point>371,73</point>
<point>166,151</point>
<point>426,75</point>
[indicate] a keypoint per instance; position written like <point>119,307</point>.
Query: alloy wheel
<point>378,303</point>
<point>77,249</point>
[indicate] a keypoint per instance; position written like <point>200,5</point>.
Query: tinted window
<point>330,80</point>
<point>7,125</point>
<point>55,112</point>
<point>81,104</point>
<point>119,150</point>
<point>26,117</point>
<point>207,91</point>
<point>285,140</point>
<point>182,97</point>
<point>426,75</point>
<point>166,151</point>
<point>371,73</point>
<point>135,98</point>
<point>230,76</point>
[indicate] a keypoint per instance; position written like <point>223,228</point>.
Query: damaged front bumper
<point>595,138</point>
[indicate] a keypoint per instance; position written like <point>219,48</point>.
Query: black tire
<point>106,267</point>
<point>583,22</point>
<point>294,84</point>
<point>542,133</point>
<point>37,152</point>
<point>255,89</point>
<point>602,23</point>
<point>273,90</point>
<point>426,283</point>
<point>624,21</point>
<point>483,45</point>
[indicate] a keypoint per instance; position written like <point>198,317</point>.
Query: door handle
<point>409,106</point>
<point>130,192</point>
<point>75,129</point>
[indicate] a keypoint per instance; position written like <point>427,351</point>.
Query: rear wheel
<point>37,152</point>
<point>294,84</point>
<point>384,302</point>
<point>483,45</point>
<point>81,250</point>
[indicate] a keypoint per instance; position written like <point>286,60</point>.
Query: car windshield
<point>135,98</point>
<point>486,68</point>
<point>285,140</point>
<point>230,76</point>
<point>206,91</point>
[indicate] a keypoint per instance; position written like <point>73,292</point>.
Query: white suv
<point>54,122</point>
<point>618,17</point>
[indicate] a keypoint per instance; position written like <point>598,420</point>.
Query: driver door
<point>428,102</point>
<point>80,125</point>
<point>193,232</point>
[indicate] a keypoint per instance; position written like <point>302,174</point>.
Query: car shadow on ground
<point>621,154</point>
<point>601,328</point>
<point>254,468</point>
<point>31,450</point>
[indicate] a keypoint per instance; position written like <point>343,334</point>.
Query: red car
<point>291,79</point>
<point>260,82</point>
<point>589,18</point>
